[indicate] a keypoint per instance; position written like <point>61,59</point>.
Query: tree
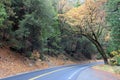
<point>113,18</point>
<point>88,20</point>
<point>19,13</point>
<point>3,14</point>
<point>9,12</point>
<point>38,25</point>
<point>62,6</point>
<point>3,17</point>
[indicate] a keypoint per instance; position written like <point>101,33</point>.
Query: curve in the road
<point>71,72</point>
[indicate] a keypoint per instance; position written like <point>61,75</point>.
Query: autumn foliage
<point>91,12</point>
<point>89,21</point>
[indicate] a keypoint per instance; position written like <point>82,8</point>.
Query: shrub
<point>116,58</point>
<point>35,55</point>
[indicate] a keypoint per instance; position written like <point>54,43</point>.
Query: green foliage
<point>3,14</point>
<point>113,18</point>
<point>55,4</point>
<point>29,25</point>
<point>86,47</point>
<point>78,3</point>
<point>39,24</point>
<point>18,13</point>
<point>99,56</point>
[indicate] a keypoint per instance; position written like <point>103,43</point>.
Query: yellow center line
<point>49,73</point>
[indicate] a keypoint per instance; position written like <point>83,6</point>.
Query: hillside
<point>12,63</point>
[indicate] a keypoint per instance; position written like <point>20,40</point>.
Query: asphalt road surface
<point>71,72</point>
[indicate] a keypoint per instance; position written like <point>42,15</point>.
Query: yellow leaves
<point>116,57</point>
<point>75,15</point>
<point>107,37</point>
<point>114,53</point>
<point>86,12</point>
<point>88,17</point>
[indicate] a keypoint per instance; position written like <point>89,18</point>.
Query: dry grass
<point>108,68</point>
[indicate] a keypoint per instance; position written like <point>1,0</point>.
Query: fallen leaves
<point>12,63</point>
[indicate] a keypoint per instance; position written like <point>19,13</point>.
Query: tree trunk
<point>101,50</point>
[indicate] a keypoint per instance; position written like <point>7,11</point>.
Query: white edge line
<point>76,72</point>
<point>50,73</point>
<point>36,70</point>
<point>42,69</point>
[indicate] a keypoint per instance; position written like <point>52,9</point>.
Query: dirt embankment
<point>12,63</point>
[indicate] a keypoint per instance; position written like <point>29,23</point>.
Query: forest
<point>78,28</point>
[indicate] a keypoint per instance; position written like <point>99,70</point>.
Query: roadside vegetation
<point>81,30</point>
<point>33,27</point>
<point>108,68</point>
<point>113,49</point>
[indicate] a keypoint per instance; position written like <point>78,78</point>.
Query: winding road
<point>70,72</point>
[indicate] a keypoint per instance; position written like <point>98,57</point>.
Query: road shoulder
<point>106,70</point>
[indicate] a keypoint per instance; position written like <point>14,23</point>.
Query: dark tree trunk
<point>99,48</point>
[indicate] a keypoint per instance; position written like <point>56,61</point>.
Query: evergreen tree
<point>3,14</point>
<point>3,17</point>
<point>38,25</point>
<point>113,19</point>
